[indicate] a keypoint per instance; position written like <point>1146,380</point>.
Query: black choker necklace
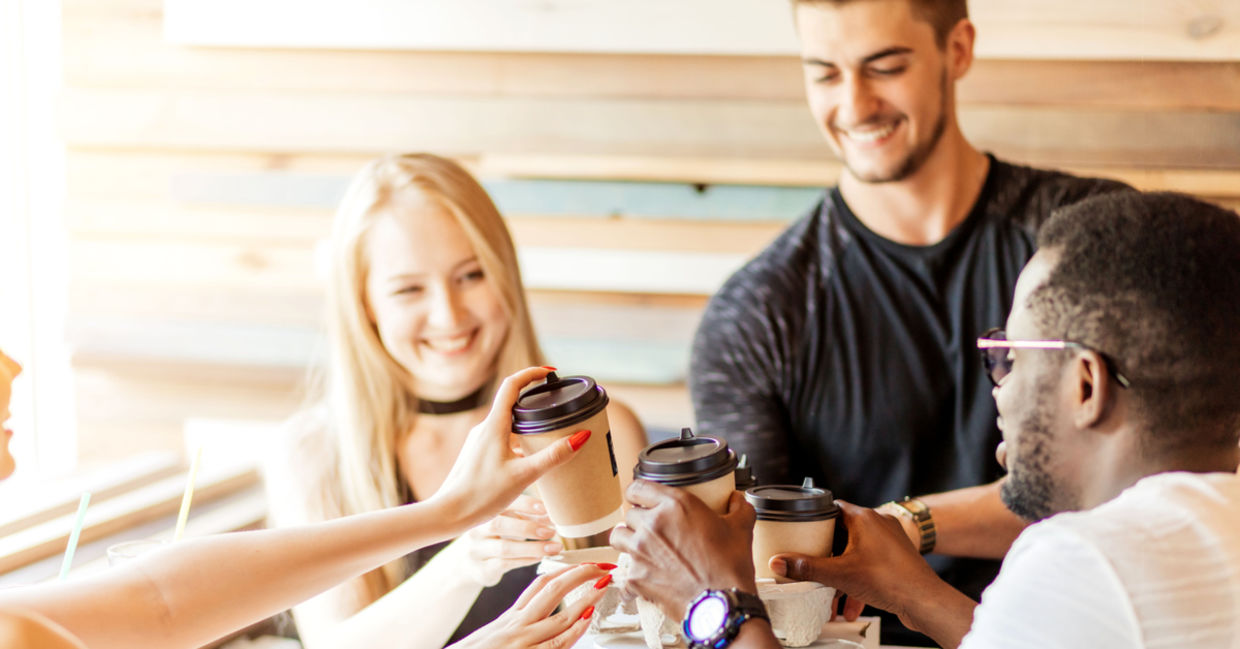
<point>479,397</point>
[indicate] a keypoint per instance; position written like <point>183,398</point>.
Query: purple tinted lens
<point>995,359</point>
<point>997,364</point>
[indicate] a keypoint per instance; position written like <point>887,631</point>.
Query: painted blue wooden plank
<point>575,198</point>
<point>651,200</point>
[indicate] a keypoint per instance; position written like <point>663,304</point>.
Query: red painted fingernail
<point>602,582</point>
<point>548,367</point>
<point>585,615</point>
<point>578,439</point>
<point>606,566</point>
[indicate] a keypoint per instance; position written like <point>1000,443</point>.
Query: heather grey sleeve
<point>733,378</point>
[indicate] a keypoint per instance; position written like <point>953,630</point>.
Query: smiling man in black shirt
<point>844,350</point>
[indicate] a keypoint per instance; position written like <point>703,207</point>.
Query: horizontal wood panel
<point>118,513</point>
<point>192,266</point>
<point>746,239</point>
<point>804,173</point>
<point>462,126</point>
<point>1135,85</point>
<point>90,299</point>
<point>635,339</point>
<point>251,266</point>
<point>254,121</point>
<point>113,47</point>
<point>751,26</point>
<point>301,229</point>
<point>152,222</point>
<point>144,176</point>
<point>653,350</point>
<point>43,502</point>
<point>168,391</point>
<point>518,197</point>
<point>1057,29</point>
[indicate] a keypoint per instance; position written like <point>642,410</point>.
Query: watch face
<point>707,618</point>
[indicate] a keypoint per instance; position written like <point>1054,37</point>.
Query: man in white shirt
<point>1119,404</point>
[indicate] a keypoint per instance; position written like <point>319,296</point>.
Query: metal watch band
<point>920,515</point>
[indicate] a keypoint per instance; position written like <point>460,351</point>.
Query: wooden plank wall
<point>200,179</point>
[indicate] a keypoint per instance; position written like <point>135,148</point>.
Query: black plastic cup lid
<point>744,474</point>
<point>684,461</point>
<point>792,503</point>
<point>558,403</point>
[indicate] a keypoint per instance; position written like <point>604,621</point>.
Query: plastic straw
<point>189,496</point>
<point>74,536</point>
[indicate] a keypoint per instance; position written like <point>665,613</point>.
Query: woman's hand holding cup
<point>534,620</point>
<point>488,475</point>
<point>521,535</point>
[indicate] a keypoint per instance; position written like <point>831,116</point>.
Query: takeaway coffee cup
<point>583,495</point>
<point>791,518</point>
<point>702,465</point>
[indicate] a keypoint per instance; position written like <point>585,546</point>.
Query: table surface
<point>634,641</point>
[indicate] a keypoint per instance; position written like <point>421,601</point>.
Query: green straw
<point>74,536</point>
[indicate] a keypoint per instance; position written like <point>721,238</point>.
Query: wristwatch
<point>715,617</point>
<point>919,513</point>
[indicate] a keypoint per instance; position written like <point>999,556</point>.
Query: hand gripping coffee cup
<point>701,465</point>
<point>791,518</point>
<point>582,496</point>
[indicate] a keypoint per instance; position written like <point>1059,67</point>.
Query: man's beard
<point>920,154</point>
<point>1029,489</point>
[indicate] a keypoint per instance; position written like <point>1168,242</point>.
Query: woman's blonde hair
<point>368,396</point>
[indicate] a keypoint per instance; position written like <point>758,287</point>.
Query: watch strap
<point>749,605</point>
<point>919,513</point>
<point>742,607</point>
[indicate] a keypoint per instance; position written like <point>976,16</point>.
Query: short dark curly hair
<point>1153,280</point>
<point>942,15</point>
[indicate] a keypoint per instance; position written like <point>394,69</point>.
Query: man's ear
<point>1093,389</point>
<point>959,47</point>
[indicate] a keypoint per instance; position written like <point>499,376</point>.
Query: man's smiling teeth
<point>449,344</point>
<point>871,134</point>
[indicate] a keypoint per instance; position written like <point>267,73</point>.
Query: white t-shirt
<point>1158,566</point>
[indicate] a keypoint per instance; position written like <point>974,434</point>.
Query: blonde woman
<point>199,590</point>
<point>425,309</point>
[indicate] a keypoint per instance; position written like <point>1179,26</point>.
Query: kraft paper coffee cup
<point>583,495</point>
<point>791,518</point>
<point>702,465</point>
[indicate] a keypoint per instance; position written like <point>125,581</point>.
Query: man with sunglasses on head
<point>836,353</point>
<point>1120,413</point>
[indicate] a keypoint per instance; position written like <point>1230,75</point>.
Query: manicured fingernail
<point>548,367</point>
<point>553,548</point>
<point>585,615</point>
<point>779,567</point>
<point>544,532</point>
<point>578,439</point>
<point>602,582</point>
<point>606,566</point>
<point>538,507</point>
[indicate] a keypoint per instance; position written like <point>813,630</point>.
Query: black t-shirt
<point>844,356</point>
